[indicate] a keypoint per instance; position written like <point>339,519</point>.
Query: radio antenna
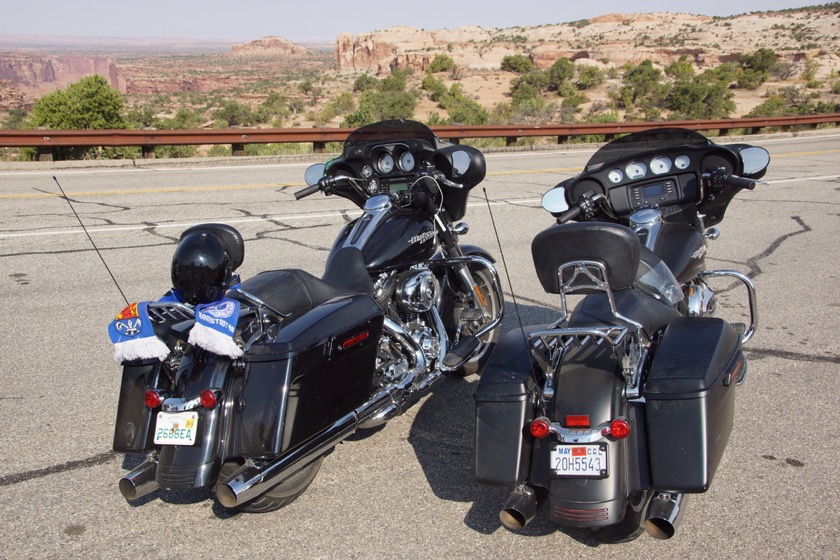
<point>64,196</point>
<point>502,256</point>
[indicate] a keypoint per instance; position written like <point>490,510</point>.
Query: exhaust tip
<point>512,519</point>
<point>225,495</point>
<point>127,489</point>
<point>660,529</point>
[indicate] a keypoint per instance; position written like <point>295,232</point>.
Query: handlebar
<point>325,184</point>
<point>311,189</point>
<point>569,214</point>
<point>719,179</point>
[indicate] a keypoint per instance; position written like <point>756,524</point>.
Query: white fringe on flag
<point>214,341</point>
<point>140,349</point>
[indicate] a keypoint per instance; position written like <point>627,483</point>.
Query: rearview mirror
<point>555,200</point>
<point>313,173</point>
<point>754,160</point>
<point>460,163</point>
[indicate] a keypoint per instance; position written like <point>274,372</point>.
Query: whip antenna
<point>64,196</point>
<point>502,256</point>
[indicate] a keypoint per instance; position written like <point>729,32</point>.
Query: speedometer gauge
<point>406,161</point>
<point>635,170</point>
<point>385,163</point>
<point>660,165</point>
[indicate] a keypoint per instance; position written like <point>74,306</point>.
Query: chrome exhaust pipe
<point>520,508</point>
<point>664,515</point>
<point>140,481</point>
<point>249,481</point>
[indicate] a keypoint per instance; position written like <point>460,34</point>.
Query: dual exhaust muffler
<point>664,512</point>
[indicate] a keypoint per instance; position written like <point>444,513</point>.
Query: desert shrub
<point>365,82</point>
<point>589,77</point>
<point>699,99</point>
<point>517,63</point>
<point>441,63</point>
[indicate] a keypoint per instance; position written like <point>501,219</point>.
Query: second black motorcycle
<point>244,386</point>
<point>620,409</point>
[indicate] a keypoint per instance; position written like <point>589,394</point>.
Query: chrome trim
<point>177,404</point>
<point>586,435</point>
<point>376,210</point>
<point>750,294</point>
<point>165,311</point>
<point>647,220</point>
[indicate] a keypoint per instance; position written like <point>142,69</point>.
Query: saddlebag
<point>690,394</point>
<point>135,421</point>
<point>318,368</point>
<point>504,401</point>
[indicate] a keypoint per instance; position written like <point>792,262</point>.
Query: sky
<point>311,21</point>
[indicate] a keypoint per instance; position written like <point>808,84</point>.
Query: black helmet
<point>201,268</point>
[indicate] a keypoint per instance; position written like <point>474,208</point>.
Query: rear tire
<point>280,495</point>
<point>483,281</point>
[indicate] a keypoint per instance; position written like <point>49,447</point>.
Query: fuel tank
<point>683,249</point>
<point>389,236</point>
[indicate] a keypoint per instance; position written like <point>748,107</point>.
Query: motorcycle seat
<point>289,290</point>
<point>594,311</point>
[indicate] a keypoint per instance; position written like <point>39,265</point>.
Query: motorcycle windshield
<point>637,142</point>
<point>388,131</point>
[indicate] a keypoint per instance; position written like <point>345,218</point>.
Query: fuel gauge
<point>615,176</point>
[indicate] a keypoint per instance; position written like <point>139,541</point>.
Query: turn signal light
<point>209,397</point>
<point>540,428</point>
<point>152,398</point>
<point>619,429</point>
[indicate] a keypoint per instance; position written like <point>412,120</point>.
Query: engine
<point>408,297</point>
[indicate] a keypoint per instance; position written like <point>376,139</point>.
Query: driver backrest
<point>616,246</point>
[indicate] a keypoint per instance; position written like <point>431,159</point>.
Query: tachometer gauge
<point>660,165</point>
<point>615,175</point>
<point>367,171</point>
<point>385,163</point>
<point>635,170</point>
<point>406,161</point>
<point>682,162</point>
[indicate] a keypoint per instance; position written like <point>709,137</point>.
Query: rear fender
<point>589,382</point>
<point>181,467</point>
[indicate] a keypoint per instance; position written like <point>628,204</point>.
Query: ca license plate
<point>580,461</point>
<point>176,428</point>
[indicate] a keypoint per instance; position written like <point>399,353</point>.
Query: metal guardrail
<point>44,140</point>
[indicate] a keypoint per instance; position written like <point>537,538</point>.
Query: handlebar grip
<point>740,182</point>
<point>311,189</point>
<point>569,214</point>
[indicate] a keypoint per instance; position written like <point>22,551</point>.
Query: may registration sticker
<point>583,461</point>
<point>176,428</point>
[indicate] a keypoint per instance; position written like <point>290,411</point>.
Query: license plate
<point>176,428</point>
<point>581,461</point>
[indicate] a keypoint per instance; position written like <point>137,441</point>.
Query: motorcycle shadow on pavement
<point>443,434</point>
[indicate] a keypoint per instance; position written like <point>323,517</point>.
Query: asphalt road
<point>408,490</point>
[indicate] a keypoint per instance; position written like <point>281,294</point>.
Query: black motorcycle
<point>244,386</point>
<point>619,409</point>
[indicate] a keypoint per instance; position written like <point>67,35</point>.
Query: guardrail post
<point>148,152</point>
<point>562,139</point>
<point>45,153</point>
<point>510,140</point>
<point>238,149</point>
<point>319,147</point>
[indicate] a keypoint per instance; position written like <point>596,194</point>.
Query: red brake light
<point>209,397</point>
<point>619,428</point>
<point>152,398</point>
<point>577,421</point>
<point>540,428</point>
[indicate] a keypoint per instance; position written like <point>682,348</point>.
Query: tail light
<point>618,429</point>
<point>540,428</point>
<point>577,421</point>
<point>209,397</point>
<point>153,398</point>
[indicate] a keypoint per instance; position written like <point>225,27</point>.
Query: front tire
<point>282,494</point>
<point>484,282</point>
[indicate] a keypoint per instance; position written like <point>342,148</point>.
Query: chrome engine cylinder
<point>418,291</point>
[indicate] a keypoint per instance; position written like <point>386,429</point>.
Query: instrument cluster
<point>639,169</point>
<point>391,168</point>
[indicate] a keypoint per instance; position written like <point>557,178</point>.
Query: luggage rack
<point>628,339</point>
